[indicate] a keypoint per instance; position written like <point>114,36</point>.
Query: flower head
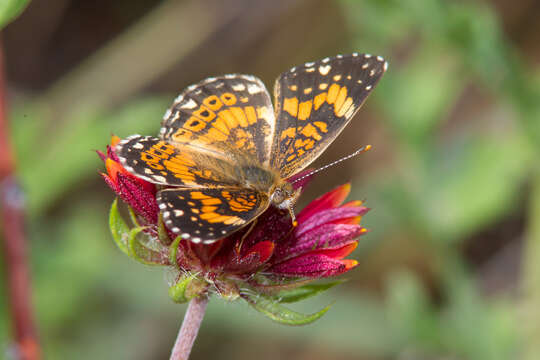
<point>259,263</point>
<point>140,195</point>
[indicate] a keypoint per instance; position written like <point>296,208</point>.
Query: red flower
<point>266,257</point>
<point>140,195</point>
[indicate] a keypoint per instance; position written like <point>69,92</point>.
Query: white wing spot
<point>339,56</point>
<point>167,114</point>
<point>179,98</point>
<point>367,56</point>
<point>368,87</point>
<point>191,104</point>
<point>385,66</point>
<point>309,64</point>
<point>325,60</point>
<point>372,72</point>
<point>253,89</point>
<point>365,66</point>
<point>175,230</point>
<point>324,69</point>
<point>160,178</point>
<point>380,58</point>
<point>310,69</point>
<point>138,146</point>
<point>196,240</point>
<point>185,235</point>
<point>148,171</point>
<point>239,87</point>
<point>178,213</point>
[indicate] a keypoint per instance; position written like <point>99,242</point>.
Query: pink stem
<point>190,328</point>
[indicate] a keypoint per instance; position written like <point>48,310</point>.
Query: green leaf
<point>140,252</point>
<point>10,9</point>
<point>274,311</point>
<point>306,291</point>
<point>119,229</point>
<point>274,289</point>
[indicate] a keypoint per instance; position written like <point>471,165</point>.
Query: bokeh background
<point>451,267</point>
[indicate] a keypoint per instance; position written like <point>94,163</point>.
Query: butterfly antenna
<point>361,150</point>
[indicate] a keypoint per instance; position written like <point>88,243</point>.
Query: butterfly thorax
<point>268,181</point>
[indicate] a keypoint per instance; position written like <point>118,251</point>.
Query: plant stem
<point>190,328</point>
<point>14,242</point>
<point>531,275</point>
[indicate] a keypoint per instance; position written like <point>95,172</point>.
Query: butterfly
<point>223,154</point>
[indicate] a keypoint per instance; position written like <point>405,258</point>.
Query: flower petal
<point>325,236</point>
<point>312,266</point>
<point>329,200</point>
<point>329,216</point>
<point>264,250</point>
<point>339,252</point>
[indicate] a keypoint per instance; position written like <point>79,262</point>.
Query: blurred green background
<point>451,267</point>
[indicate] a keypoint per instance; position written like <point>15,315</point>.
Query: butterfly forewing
<point>314,102</point>
<point>230,114</point>
<point>163,163</point>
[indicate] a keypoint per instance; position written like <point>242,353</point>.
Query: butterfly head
<point>284,197</point>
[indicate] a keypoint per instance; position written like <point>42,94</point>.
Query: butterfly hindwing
<point>205,215</point>
<point>314,102</point>
<point>230,114</point>
<point>162,163</point>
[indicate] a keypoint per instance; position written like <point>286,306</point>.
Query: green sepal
<point>119,229</point>
<point>306,291</point>
<point>133,217</point>
<point>141,253</point>
<point>173,250</point>
<point>178,292</point>
<point>162,232</point>
<point>280,314</point>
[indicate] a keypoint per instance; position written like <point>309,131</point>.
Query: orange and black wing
<point>160,162</point>
<point>206,215</point>
<point>314,102</point>
<point>229,114</point>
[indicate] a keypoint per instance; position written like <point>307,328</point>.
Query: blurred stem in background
<point>26,345</point>
<point>531,275</point>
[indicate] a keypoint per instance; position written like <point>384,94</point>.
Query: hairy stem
<point>190,328</point>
